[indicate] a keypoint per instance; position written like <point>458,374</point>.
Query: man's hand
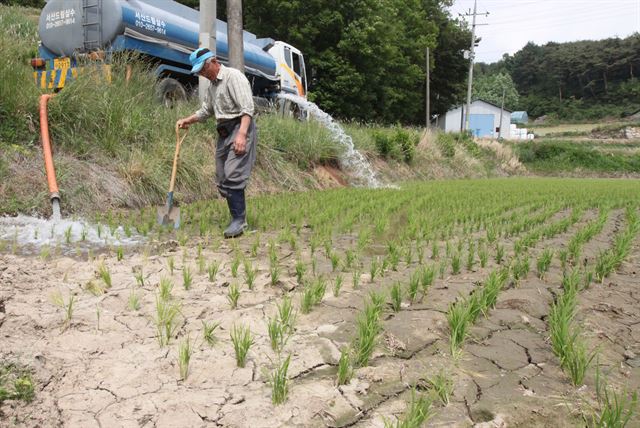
<point>185,123</point>
<point>240,144</point>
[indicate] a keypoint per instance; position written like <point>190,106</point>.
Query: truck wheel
<point>288,108</point>
<point>170,92</point>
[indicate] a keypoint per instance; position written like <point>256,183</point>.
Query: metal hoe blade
<point>169,217</point>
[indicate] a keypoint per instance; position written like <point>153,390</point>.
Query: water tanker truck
<point>78,33</point>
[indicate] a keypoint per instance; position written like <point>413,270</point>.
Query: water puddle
<point>30,235</point>
<point>352,160</point>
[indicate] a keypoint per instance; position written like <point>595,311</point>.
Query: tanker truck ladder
<point>91,24</point>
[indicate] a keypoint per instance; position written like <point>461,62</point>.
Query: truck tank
<point>68,27</point>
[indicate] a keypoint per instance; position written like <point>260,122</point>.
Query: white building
<point>484,120</point>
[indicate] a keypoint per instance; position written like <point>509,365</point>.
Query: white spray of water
<point>352,159</point>
<point>31,233</point>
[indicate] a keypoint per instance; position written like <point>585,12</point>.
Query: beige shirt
<point>227,98</point>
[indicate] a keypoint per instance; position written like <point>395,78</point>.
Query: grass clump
<point>368,329</point>
<point>396,297</point>
<point>442,386</point>
<point>242,340</point>
<point>233,295</point>
<point>187,278</point>
<point>16,383</point>
<point>313,294</point>
<point>419,410</point>
<point>184,357</point>
<point>212,270</point>
<point>345,367</point>
<point>166,320</point>
<point>105,275</point>
<point>209,332</point>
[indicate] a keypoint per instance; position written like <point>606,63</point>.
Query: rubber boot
<point>237,208</point>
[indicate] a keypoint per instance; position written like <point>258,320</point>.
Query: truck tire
<point>169,92</point>
<point>288,108</point>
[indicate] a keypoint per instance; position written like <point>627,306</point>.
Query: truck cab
<point>290,68</point>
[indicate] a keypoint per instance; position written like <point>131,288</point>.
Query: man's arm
<point>188,121</point>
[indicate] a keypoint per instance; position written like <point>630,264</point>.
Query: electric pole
<point>471,58</point>
<point>207,37</point>
<point>504,91</point>
<point>428,89</point>
<point>234,34</point>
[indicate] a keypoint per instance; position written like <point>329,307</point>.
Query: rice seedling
<point>119,253</point>
<point>279,334</point>
<point>233,295</point>
<point>212,270</point>
<point>66,306</point>
<point>97,317</point>
<point>314,266</point>
<point>184,357</point>
<point>435,250</point>
<point>165,287</point>
<point>414,285</point>
<point>393,256</point>
<point>520,268</point>
<point>356,279</point>
<point>83,234</point>
<point>455,264</point>
<point>442,268</point>
<point>280,382</point>
<point>337,285</point>
<point>563,256</point>
<point>134,300</point>
<point>166,320</point>
<point>427,275</point>
<point>171,264</point>
<point>396,297</point>
<point>249,274</point>
<point>345,368</point>
<point>105,275</point>
<point>408,255</point>
<point>67,235</point>
<point>187,278</point>
<point>419,410</point>
<point>255,245</point>
<point>368,329</point>
<point>420,253</point>
<point>442,386</point>
<point>202,263</point>
<point>301,270</point>
<point>350,259</point>
<point>615,408</point>
<point>458,318</point>
<point>274,274</point>
<point>208,332</point>
<point>499,253</point>
<point>544,261</point>
<point>286,314</point>
<point>139,277</point>
<point>471,256</point>
<point>483,255</point>
<point>335,260</point>
<point>242,340</point>
<point>235,264</point>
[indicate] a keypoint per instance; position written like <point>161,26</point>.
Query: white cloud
<point>513,23</point>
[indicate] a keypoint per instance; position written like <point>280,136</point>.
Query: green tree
<point>489,87</point>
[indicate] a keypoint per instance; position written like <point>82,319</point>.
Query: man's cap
<point>198,58</point>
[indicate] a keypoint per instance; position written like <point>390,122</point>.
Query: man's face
<point>210,70</point>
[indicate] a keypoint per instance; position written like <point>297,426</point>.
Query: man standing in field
<point>230,100</point>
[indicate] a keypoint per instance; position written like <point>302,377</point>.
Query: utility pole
<point>428,94</point>
<point>471,58</point>
<point>234,34</point>
<point>501,111</point>
<point>207,37</point>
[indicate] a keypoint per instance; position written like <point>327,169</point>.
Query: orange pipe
<point>46,147</point>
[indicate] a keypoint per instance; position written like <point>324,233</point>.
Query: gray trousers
<point>233,171</point>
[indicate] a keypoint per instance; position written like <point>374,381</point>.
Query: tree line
<point>575,80</point>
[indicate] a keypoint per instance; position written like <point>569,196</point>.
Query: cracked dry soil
<point>107,370</point>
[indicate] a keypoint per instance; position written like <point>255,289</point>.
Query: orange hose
<point>46,147</point>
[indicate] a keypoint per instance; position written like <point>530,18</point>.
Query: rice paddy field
<point>487,303</point>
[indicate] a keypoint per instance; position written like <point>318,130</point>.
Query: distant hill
<point>582,80</point>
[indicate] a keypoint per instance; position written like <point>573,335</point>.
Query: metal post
<point>207,37</point>
<point>428,95</point>
<point>501,110</point>
<point>234,34</point>
<point>471,57</point>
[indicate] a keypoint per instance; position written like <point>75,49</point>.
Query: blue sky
<point>512,23</point>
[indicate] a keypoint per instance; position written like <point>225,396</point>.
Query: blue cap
<point>198,58</point>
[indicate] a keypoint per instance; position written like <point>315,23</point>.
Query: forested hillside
<point>576,80</point>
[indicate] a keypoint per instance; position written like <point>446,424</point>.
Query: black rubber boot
<point>237,208</point>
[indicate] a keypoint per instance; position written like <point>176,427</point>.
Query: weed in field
<point>442,386</point>
<point>208,332</point>
<point>242,340</point>
<point>187,278</point>
<point>419,410</point>
<point>233,295</point>
<point>544,261</point>
<point>280,382</point>
<point>105,275</point>
<point>337,285</point>
<point>345,369</point>
<point>184,357</point>
<point>396,297</point>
